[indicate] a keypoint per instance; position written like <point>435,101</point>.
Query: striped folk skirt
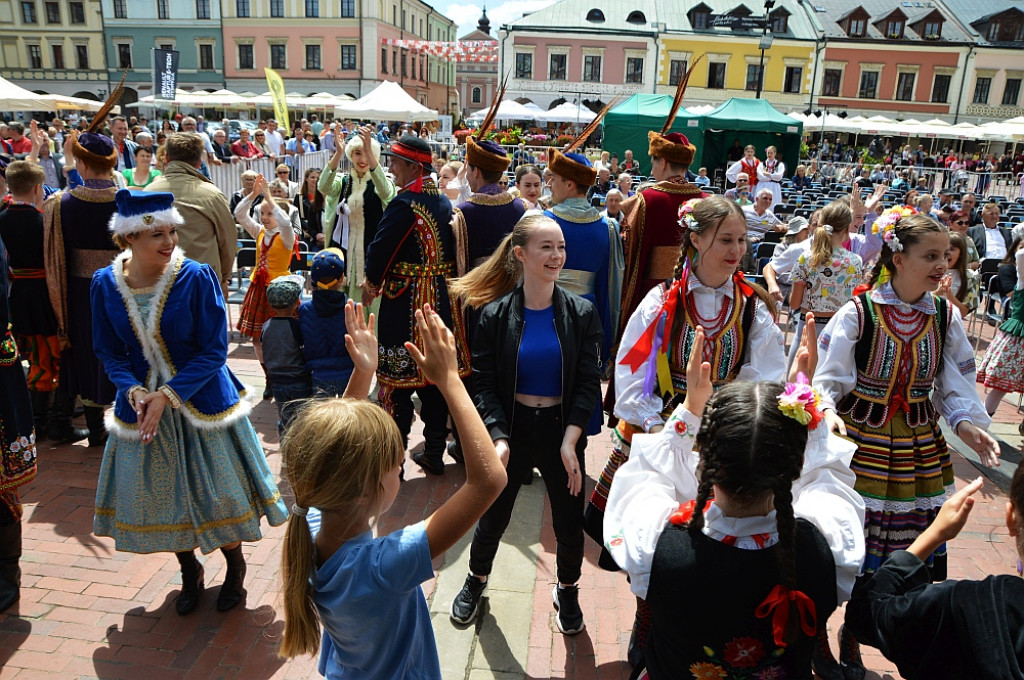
<point>905,475</point>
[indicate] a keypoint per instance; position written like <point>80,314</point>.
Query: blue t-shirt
<point>539,371</point>
<point>375,617</point>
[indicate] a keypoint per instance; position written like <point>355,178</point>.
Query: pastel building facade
<point>477,82</point>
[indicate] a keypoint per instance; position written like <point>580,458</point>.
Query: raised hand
<point>807,352</point>
<point>360,340</point>
<point>698,376</point>
<point>438,360</point>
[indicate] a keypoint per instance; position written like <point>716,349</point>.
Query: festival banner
<point>277,93</point>
<point>165,73</point>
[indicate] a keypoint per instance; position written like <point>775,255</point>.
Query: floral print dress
<point>828,286</point>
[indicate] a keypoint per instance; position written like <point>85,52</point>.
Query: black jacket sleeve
<point>487,342</point>
<point>586,389</point>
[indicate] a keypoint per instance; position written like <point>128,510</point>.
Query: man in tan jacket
<point>209,235</point>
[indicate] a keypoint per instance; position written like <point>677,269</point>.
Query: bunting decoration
<point>480,51</point>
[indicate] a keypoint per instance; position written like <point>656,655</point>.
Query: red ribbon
<point>777,604</point>
<point>409,153</point>
<point>641,350</point>
<point>741,281</point>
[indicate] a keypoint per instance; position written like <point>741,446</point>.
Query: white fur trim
<point>123,226</point>
<point>119,428</point>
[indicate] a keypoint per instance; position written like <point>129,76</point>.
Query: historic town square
<point>386,340</point>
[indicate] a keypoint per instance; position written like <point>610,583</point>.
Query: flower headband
<point>800,402</point>
<point>886,225</point>
<point>686,218</point>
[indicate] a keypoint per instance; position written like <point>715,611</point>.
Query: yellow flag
<point>276,86</point>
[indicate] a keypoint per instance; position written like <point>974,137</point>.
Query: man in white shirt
<point>759,218</point>
<point>274,138</point>
<point>991,241</point>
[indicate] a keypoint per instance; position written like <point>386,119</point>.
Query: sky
<point>465,15</point>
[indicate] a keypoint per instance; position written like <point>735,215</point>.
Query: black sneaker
<point>431,462</point>
<point>466,604</point>
<point>567,603</point>
<point>455,451</point>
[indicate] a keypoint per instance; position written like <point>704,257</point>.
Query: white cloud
<point>466,15</point>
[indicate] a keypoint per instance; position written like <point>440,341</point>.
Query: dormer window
<point>993,31</point>
<point>636,17</point>
<point>779,20</point>
<point>857,29</point>
<point>595,15</point>
<point>894,28</point>
<point>700,17</point>
<point>932,29</point>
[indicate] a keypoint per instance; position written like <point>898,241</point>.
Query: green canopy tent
<point>751,121</point>
<point>626,127</point>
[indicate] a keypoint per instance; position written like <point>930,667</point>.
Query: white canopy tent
<point>509,109</point>
<point>567,112</point>
<point>16,98</point>
<point>388,101</point>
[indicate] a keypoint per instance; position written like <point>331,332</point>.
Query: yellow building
<point>727,36</point>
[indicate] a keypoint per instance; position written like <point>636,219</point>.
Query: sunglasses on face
<point>960,222</point>
<point>284,172</point>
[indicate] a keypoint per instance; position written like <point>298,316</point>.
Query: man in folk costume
<point>746,166</point>
<point>407,265</point>
<point>76,243</point>
<point>593,249</point>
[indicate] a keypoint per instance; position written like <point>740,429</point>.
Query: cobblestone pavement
<point>89,612</point>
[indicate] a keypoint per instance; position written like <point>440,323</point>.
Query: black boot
<point>192,582</point>
<point>97,430</point>
<point>822,660</point>
<point>849,656</point>
<point>40,412</point>
<point>232,592</point>
<point>60,428</point>
<point>431,462</point>
<point>10,571</point>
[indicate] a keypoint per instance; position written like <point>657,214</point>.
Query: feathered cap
<point>674,147</point>
<point>485,154</point>
<point>575,166</point>
<point>143,210</point>
<point>95,149</point>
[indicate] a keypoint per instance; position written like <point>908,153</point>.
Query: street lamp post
<point>766,43</point>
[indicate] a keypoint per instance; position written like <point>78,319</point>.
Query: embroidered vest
<point>750,170</point>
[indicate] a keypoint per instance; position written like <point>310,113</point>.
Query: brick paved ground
<point>90,612</point>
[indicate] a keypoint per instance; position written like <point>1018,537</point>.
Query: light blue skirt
<point>187,488</point>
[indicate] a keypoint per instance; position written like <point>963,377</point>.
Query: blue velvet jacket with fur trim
<point>182,344</point>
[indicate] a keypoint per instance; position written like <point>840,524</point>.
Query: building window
<point>35,56</point>
<point>557,70</point>
<point>868,84</point>
<point>716,76</point>
<point>28,13</point>
<point>634,69</point>
<point>82,57</point>
<point>312,9</point>
<point>348,9</point>
<point>1012,92</point>
<point>405,64</point>
<point>933,29</point>
<point>166,46</point>
<point>163,9</point>
<point>595,15</point>
<point>57,52</point>
<point>779,23</point>
<point>753,76</point>
<point>476,95</point>
<point>245,60</point>
<point>202,9</point>
<point>524,65</point>
<point>857,28</point>
<point>830,83</point>
<point>993,31</point>
<point>348,58</point>
<point>206,57</point>
<point>277,9</point>
<point>383,60</point>
<point>394,63</point>
<point>242,9</point>
<point>981,88</point>
<point>120,9</point>
<point>905,87</point>
<point>676,71</point>
<point>53,12</point>
<point>77,12</point>
<point>793,81</point>
<point>279,56</point>
<point>636,17</point>
<point>124,55</point>
<point>894,28</point>
<point>592,68</point>
<point>940,89</point>
<point>312,57</point>
<point>700,19</point>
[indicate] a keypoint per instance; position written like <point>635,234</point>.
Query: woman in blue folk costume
<point>183,467</point>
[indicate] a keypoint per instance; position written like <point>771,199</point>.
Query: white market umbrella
<point>567,112</point>
<point>508,109</point>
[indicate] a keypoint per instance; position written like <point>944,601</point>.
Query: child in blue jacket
<point>322,321</point>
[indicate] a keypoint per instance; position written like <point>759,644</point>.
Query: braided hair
<point>749,448</point>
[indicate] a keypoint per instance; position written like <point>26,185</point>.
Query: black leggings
<point>535,441</point>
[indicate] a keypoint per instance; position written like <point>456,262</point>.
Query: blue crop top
<point>540,355</point>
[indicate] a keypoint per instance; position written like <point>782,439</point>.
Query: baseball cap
<point>328,267</point>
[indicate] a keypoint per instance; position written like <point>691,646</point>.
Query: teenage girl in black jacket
<point>537,374</point>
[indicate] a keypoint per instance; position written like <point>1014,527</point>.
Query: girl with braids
<point>537,375</point>
<point>344,457</point>
<point>961,285</point>
<point>744,342</point>
<point>739,580</point>
<point>894,359</point>
<point>825,274</point>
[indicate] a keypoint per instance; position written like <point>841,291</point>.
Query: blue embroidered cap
<point>142,210</point>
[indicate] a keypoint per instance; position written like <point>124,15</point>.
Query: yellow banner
<point>276,86</point>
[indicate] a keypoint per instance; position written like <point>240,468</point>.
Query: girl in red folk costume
<point>650,380</point>
<point>748,165</point>
<point>894,359</point>
<point>744,553</point>
<point>770,174</point>
<point>275,241</point>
